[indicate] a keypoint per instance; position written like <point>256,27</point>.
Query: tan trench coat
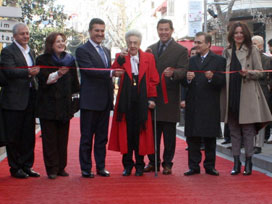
<point>253,105</point>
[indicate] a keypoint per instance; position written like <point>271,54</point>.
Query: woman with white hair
<point>132,124</point>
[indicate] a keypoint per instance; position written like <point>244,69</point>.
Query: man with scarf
<point>132,123</point>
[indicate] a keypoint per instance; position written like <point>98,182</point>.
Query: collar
<point>136,57</point>
<point>21,48</point>
<point>167,43</point>
<point>94,44</point>
<point>205,55</point>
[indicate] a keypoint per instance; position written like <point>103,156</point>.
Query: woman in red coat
<point>132,122</point>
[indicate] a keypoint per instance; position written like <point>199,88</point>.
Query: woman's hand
<point>62,71</point>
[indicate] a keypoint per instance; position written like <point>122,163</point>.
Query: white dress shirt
<point>134,60</point>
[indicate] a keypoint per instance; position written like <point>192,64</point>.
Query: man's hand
<point>151,104</point>
<point>62,71</point>
<point>168,72</point>
<point>190,76</point>
<point>182,104</point>
<point>149,50</point>
<point>209,75</point>
<point>118,73</point>
<point>33,71</point>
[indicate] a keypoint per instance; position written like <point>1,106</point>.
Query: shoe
<point>257,150</point>
<point>191,172</point>
<point>139,172</point>
<point>103,172</point>
<point>19,174</point>
<point>237,166</point>
<point>126,172</point>
<point>166,170</point>
<point>31,172</point>
<point>62,173</point>
<point>269,142</point>
<point>248,166</point>
<point>202,147</point>
<point>149,168</point>
<point>87,174</point>
<point>213,172</point>
<point>186,148</point>
<point>225,142</point>
<point>52,176</point>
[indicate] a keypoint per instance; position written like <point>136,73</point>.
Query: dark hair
<point>270,42</point>
<point>246,33</point>
<point>51,38</point>
<point>208,37</point>
<point>162,21</point>
<point>95,21</point>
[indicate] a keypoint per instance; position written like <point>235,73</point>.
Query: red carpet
<point>176,188</point>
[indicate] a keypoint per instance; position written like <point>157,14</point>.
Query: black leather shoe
<point>87,174</point>
<point>127,172</point>
<point>19,174</point>
<point>150,168</point>
<point>52,176</point>
<point>139,172</point>
<point>225,142</point>
<point>166,170</point>
<point>31,172</point>
<point>213,172</point>
<point>257,150</point>
<point>62,173</point>
<point>191,172</point>
<point>103,172</point>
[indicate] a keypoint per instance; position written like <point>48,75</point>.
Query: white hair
<point>133,33</point>
<point>17,26</point>
<point>258,38</point>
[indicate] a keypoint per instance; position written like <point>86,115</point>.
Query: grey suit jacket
<point>175,56</point>
<point>15,95</point>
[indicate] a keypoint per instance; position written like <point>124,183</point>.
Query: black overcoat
<point>3,137</point>
<point>203,97</point>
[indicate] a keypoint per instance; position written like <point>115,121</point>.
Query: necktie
<point>134,65</point>
<point>102,55</point>
<point>202,59</point>
<point>161,49</point>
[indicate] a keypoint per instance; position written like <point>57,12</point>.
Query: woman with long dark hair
<point>54,107</point>
<point>246,110</point>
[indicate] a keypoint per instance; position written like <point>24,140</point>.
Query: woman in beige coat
<point>246,110</point>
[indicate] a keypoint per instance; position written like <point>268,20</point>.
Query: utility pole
<point>205,16</point>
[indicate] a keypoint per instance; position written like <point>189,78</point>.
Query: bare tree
<point>223,17</point>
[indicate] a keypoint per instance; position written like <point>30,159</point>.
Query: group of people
<point>150,81</point>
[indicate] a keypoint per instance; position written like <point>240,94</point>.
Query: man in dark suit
<point>172,60</point>
<point>18,101</point>
<point>202,120</point>
<point>96,99</point>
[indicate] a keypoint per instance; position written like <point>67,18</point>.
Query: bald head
<point>258,41</point>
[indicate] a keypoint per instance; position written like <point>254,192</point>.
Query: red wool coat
<point>118,134</point>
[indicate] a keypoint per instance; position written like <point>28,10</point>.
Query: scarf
<point>65,59</point>
<point>235,84</point>
<point>125,100</point>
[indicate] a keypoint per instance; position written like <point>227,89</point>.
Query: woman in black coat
<point>54,105</point>
<point>3,137</point>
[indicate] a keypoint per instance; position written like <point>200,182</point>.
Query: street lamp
<point>211,12</point>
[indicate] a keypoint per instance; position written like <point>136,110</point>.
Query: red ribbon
<point>163,83</point>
